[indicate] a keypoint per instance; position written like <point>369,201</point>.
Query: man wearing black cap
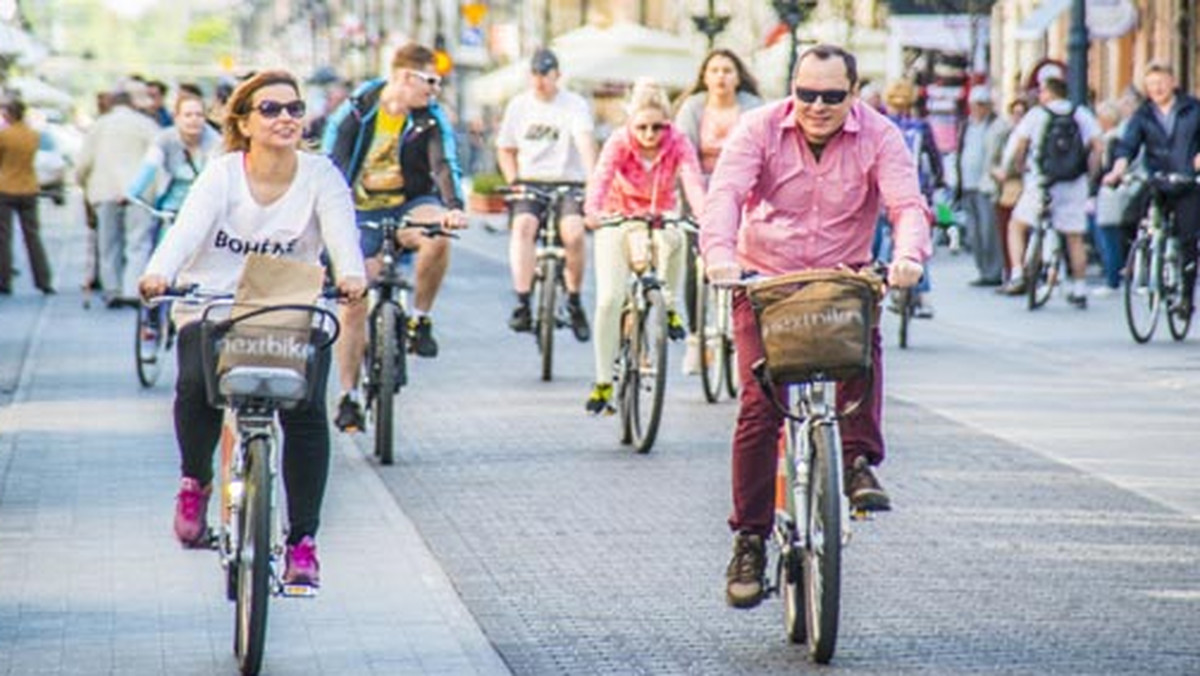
<point>546,135</point>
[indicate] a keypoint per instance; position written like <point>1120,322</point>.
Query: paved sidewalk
<point>92,581</point>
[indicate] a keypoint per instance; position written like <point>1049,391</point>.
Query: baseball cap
<point>543,61</point>
<point>980,94</point>
<point>1050,72</point>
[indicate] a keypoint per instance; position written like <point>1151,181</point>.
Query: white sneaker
<point>691,357</point>
<point>1103,291</point>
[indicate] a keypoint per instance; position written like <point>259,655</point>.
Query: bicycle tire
<point>1141,296</point>
<point>791,568</point>
<point>547,317</point>
<point>823,552</point>
<point>148,343</point>
<point>652,371</point>
<point>1171,282</point>
<point>709,354</point>
<point>904,302</point>
<point>389,351</point>
<point>1039,278</point>
<point>627,374</point>
<point>253,561</point>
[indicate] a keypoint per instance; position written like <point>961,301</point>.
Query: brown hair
<point>238,106</point>
<point>746,80</point>
<point>824,52</point>
<point>1160,67</point>
<point>412,56</point>
<point>187,95</point>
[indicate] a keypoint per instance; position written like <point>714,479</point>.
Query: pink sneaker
<point>302,565</point>
<point>191,513</point>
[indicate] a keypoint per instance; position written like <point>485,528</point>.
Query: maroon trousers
<point>756,438</point>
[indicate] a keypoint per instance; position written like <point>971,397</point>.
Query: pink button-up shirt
<point>773,208</point>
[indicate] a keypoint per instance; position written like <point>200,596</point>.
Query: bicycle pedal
<point>299,591</point>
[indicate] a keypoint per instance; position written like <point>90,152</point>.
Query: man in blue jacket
<point>396,148</point>
<point>1167,126</point>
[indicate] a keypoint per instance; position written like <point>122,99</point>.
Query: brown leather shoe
<point>863,488</point>
<point>744,584</point>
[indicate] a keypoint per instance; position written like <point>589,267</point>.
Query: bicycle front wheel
<point>253,561</point>
<point>1173,292</point>
<point>708,340</point>
<point>651,366</point>
<point>1141,291</point>
<point>823,551</point>
<point>388,339</point>
<point>149,342</point>
<point>547,317</point>
<point>728,348</point>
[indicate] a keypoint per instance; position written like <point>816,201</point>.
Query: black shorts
<point>569,205</point>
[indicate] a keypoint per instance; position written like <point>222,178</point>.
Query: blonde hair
<point>647,94</point>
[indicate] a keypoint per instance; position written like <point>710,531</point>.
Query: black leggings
<point>305,438</point>
<point>1186,208</point>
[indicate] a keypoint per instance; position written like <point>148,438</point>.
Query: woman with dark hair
<point>264,191</point>
<point>724,89</point>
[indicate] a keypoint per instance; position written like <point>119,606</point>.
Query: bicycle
<point>641,367</point>
<point>549,283</point>
<point>813,514</point>
<point>385,365</point>
<point>714,336</point>
<point>1045,257</point>
<point>250,538</point>
<point>1154,268</point>
<point>154,331</point>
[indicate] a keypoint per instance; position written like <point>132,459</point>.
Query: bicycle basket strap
<point>817,324</point>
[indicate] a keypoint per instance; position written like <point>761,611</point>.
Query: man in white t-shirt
<point>545,136</point>
<point>1068,199</point>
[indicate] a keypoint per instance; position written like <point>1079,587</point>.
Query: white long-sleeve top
<point>220,224</point>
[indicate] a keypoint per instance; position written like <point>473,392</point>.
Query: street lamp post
<point>711,24</point>
<point>792,13</point>
<point>1077,48</point>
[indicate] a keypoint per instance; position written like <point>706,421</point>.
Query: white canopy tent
<point>37,92</point>
<point>592,56</point>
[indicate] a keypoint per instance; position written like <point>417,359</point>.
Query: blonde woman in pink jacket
<point>636,176</point>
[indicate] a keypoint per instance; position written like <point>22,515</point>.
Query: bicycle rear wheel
<point>1044,267</point>
<point>253,561</point>
<point>1141,291</point>
<point>149,342</point>
<point>791,568</point>
<point>389,350</point>
<point>823,552</point>
<point>651,365</point>
<point>547,313</point>
<point>708,341</point>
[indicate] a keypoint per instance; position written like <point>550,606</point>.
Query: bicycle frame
<point>1154,268</point>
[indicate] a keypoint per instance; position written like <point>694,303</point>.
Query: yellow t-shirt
<point>380,183</point>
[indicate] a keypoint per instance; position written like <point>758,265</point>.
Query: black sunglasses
<point>657,126</point>
<point>831,97</point>
<point>272,109</point>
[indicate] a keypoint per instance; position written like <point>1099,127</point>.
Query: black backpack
<point>1062,155</point>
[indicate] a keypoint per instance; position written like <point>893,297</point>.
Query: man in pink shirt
<point>800,185</point>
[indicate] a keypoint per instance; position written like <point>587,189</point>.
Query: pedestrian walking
<point>108,163</point>
<point>19,197</point>
<point>976,189</point>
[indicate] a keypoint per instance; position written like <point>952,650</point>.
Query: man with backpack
<point>1058,144</point>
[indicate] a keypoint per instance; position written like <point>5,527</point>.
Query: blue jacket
<point>428,151</point>
<point>1163,153</point>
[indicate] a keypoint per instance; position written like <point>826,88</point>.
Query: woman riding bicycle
<point>635,176</point>
<point>177,156</point>
<point>262,192</point>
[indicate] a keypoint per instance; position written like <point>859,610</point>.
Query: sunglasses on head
<point>429,78</point>
<point>272,109</point>
<point>655,127</point>
<point>831,97</point>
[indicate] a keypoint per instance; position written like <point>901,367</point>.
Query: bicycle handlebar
<point>165,214</point>
<point>654,221</point>
<point>427,228</point>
